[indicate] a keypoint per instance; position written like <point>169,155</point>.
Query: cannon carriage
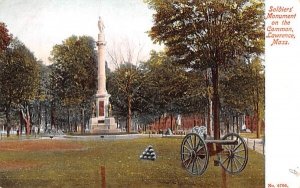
<point>197,148</point>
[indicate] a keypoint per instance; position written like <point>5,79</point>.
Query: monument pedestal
<point>103,125</point>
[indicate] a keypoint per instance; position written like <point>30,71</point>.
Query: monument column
<point>102,123</point>
<point>102,96</point>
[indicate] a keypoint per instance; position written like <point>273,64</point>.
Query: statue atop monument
<point>101,25</point>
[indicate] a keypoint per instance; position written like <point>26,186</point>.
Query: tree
<point>126,81</point>
<point>209,34</point>
<point>170,89</point>
<point>258,92</point>
<point>5,37</point>
<point>21,88</point>
<point>41,103</point>
<point>124,86</point>
<point>235,95</point>
<point>242,87</point>
<point>73,73</point>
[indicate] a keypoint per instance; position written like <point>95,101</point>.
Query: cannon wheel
<point>234,158</point>
<point>194,154</point>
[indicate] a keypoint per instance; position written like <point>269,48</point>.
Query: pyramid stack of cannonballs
<point>148,154</point>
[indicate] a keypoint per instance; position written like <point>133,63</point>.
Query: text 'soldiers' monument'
<point>102,123</point>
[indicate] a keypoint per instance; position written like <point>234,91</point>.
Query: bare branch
<point>125,52</point>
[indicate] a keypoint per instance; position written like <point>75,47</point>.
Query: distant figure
<point>100,24</point>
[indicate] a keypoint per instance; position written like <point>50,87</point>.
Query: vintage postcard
<point>149,93</point>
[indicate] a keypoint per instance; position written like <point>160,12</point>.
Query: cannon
<point>196,148</point>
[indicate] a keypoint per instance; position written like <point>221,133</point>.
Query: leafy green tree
<point>235,92</point>
<point>209,34</point>
<point>242,87</point>
<point>258,92</point>
<point>235,86</point>
<point>73,75</point>
<point>158,86</point>
<point>40,105</point>
<point>161,88</point>
<point>170,89</point>
<point>19,80</point>
<point>156,90</point>
<point>5,39</point>
<point>124,86</point>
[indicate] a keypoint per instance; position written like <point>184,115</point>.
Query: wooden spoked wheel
<point>194,154</point>
<point>234,157</point>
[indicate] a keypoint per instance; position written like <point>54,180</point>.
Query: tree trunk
<point>46,114</point>
<point>118,125</point>
<point>216,101</point>
<point>52,116</point>
<point>21,123</point>
<point>165,122</point>
<point>209,110</point>
<point>40,115</point>
<point>237,123</point>
<point>28,127</point>
<point>8,121</point>
<point>203,120</point>
<point>227,124</point>
<point>159,126</point>
<point>257,113</point>
<point>258,123</point>
<point>251,123</point>
<point>258,128</point>
<point>83,123</point>
<point>172,129</point>
<point>26,120</point>
<point>129,114</point>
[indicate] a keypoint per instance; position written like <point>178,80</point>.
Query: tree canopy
<point>19,77</point>
<point>199,34</point>
<point>125,86</point>
<point>73,77</point>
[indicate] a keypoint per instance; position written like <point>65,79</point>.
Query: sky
<point>40,24</point>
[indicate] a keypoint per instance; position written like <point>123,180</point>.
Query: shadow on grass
<point>6,181</point>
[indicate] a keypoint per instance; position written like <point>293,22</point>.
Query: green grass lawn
<point>81,167</point>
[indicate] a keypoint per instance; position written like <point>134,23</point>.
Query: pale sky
<point>41,24</point>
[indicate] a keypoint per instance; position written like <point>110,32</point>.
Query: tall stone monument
<point>102,123</point>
